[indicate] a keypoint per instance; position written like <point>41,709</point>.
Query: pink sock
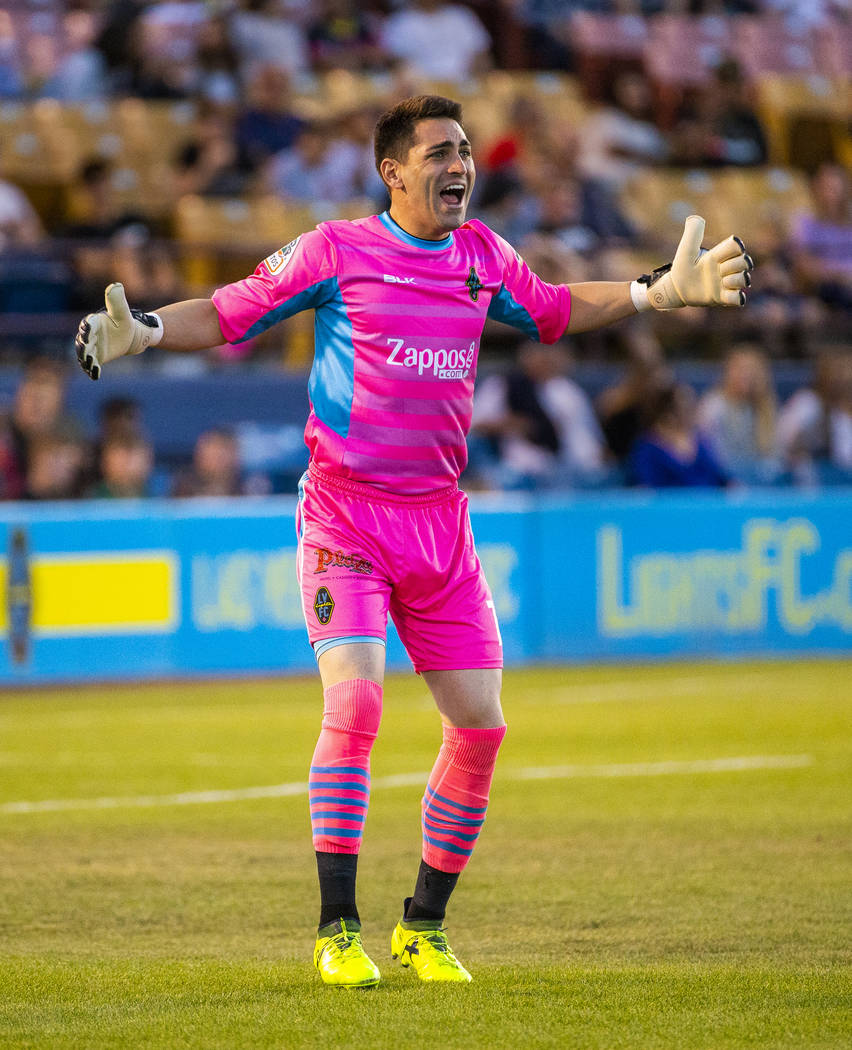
<point>457,795</point>
<point>339,786</point>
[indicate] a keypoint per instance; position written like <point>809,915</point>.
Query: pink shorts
<point>364,553</point>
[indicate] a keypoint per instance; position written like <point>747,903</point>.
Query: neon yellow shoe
<point>341,959</point>
<point>422,945</point>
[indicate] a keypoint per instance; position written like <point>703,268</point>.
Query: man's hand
<point>119,331</point>
<point>697,277</point>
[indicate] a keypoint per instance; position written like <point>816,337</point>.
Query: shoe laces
<point>438,940</point>
<point>346,943</point>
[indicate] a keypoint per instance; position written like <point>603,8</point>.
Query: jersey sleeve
<point>299,276</point>
<point>524,301</point>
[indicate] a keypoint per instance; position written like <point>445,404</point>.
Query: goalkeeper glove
<point>115,332</point>
<point>696,277</point>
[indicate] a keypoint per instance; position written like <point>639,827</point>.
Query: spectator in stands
<point>722,126</point>
<point>440,41</point>
<point>620,408</point>
<point>737,418</point>
<point>11,73</point>
<point>548,36</point>
<point>79,71</point>
<point>535,427</point>
<point>320,168</point>
<point>670,453</point>
<point>106,239</point>
<point>815,424</point>
<point>581,215</point>
<point>93,212</point>
<point>126,467</point>
<point>341,35</point>
<point>37,415</point>
<point>266,125</point>
<point>216,470</point>
<point>164,50</point>
<point>218,64</point>
<point>56,469</point>
<point>782,315</point>
<point>210,163</point>
<point>620,140</point>
<point>116,40</point>
<point>821,243</point>
<point>265,35</point>
<point>20,225</point>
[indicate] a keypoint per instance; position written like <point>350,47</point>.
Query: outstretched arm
<point>596,304</point>
<point>119,331</point>
<point>695,277</point>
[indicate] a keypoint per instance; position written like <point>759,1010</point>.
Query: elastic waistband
<point>377,495</point>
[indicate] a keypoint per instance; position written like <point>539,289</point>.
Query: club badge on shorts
<point>323,605</point>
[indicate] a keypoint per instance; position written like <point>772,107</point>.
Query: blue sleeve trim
<point>309,299</point>
<point>504,308</point>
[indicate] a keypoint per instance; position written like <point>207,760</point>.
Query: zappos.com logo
<point>438,364</point>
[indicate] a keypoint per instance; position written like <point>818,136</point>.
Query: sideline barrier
<point>160,589</point>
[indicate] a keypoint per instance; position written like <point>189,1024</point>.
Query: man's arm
<point>695,277</point>
<point>596,304</point>
<point>119,331</point>
<point>190,325</point>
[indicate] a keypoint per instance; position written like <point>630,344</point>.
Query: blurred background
<point>173,145</point>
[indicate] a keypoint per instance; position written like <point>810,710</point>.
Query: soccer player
<point>401,299</point>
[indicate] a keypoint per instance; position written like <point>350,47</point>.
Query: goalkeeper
<point>401,299</point>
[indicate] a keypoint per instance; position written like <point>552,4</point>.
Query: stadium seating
<point>741,201</point>
<point>806,117</point>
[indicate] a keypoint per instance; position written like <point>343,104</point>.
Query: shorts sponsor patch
<point>329,559</point>
<point>276,262</point>
<point>323,605</point>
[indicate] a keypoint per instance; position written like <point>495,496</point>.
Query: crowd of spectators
<point>555,185</point>
<point>535,428</point>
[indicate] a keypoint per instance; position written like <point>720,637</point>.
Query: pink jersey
<point>397,328</point>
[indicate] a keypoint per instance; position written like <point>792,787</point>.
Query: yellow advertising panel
<point>121,592</point>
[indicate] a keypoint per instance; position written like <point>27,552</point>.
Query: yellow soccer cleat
<point>341,959</point>
<point>422,945</point>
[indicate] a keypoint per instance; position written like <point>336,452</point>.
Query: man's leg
<point>339,789</point>
<point>453,812</point>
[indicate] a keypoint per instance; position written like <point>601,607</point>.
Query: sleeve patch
<point>276,262</point>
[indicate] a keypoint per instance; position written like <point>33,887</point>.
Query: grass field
<point>666,863</point>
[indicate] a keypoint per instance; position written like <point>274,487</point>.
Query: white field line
<point>630,769</point>
<point>609,691</point>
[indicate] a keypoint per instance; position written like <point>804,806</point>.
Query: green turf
<point>686,910</point>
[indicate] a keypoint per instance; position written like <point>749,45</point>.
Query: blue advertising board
<point>108,590</point>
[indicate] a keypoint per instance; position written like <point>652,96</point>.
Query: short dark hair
<point>395,128</point>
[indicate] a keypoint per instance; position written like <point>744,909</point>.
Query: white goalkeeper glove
<point>696,277</point>
<point>116,332</point>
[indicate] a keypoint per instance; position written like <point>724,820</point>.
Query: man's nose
<point>456,163</point>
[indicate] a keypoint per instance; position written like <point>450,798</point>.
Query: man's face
<point>431,187</point>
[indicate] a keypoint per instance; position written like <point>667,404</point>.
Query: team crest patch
<point>278,260</point>
<point>474,285</point>
<point>323,605</point>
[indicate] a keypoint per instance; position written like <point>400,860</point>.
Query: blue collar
<point>416,242</point>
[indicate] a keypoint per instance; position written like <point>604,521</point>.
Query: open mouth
<point>453,195</point>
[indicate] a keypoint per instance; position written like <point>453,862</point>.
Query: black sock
<point>431,893</point>
<point>337,873</point>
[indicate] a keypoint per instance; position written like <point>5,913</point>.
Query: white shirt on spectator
<point>264,40</point>
<point>442,44</point>
<point>581,443</point>
<point>333,179</point>
<point>803,427</point>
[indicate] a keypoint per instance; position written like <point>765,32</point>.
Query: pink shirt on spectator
<point>397,328</point>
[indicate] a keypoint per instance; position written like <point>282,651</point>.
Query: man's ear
<point>389,170</point>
